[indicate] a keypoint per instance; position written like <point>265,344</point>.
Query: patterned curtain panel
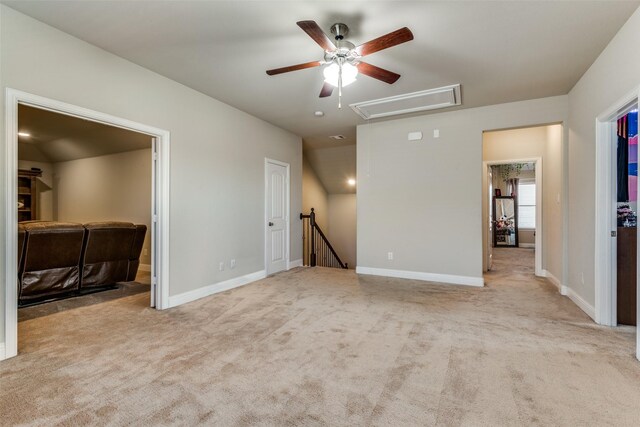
<point>623,161</point>
<point>512,186</point>
<point>632,140</point>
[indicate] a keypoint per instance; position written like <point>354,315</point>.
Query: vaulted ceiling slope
<point>55,137</point>
<point>334,166</point>
<point>498,51</point>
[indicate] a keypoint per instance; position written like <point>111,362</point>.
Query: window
<point>527,203</point>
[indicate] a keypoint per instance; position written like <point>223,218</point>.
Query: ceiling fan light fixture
<point>349,74</point>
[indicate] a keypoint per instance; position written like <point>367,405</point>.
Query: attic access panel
<point>430,99</point>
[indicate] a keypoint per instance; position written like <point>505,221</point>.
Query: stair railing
<point>317,251</point>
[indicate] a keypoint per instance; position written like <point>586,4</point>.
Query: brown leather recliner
<point>22,237</point>
<point>107,248</point>
<point>136,250</point>
<point>50,265</point>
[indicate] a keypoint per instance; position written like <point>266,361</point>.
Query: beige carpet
<point>124,289</point>
<point>326,347</point>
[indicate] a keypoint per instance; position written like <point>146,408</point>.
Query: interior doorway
<point>159,222</point>
<point>611,233</point>
<point>617,195</point>
<point>513,209</point>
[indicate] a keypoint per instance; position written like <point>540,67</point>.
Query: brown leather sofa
<point>105,259</point>
<point>136,250</point>
<point>51,260</point>
<point>58,259</point>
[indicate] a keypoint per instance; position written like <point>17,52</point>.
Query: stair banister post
<point>312,222</point>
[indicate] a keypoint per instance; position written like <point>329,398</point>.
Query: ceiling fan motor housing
<point>344,51</point>
<point>339,30</point>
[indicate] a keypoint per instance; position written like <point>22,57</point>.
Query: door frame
<point>538,172</point>
<point>266,212</point>
<point>160,200</point>
<point>605,220</point>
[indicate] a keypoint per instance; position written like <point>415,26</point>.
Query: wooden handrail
<point>326,241</point>
<point>313,226</point>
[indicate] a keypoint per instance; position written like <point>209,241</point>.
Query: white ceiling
<point>498,51</point>
<point>57,137</point>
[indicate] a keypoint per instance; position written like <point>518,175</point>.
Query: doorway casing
<point>605,221</point>
<point>159,213</point>
<point>538,174</point>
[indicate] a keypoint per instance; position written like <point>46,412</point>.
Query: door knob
<point>270,224</point>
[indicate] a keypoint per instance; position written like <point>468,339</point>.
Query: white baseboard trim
<point>186,297</point>
<point>3,353</point>
<point>527,245</point>
<point>294,264</point>
<point>553,279</point>
<point>417,275</point>
<point>144,267</point>
<point>581,303</point>
<point>568,292</point>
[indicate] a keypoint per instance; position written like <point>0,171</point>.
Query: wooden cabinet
<point>626,286</point>
<point>27,197</point>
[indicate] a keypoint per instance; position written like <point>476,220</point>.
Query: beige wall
<point>415,198</point>
<point>544,142</point>
<point>44,189</point>
<point>554,203</point>
<point>116,187</point>
<point>217,152</point>
<point>526,237</point>
<point>314,196</point>
<point>342,226</point>
<point>614,74</point>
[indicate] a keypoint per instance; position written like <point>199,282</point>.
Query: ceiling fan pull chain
<point>339,85</point>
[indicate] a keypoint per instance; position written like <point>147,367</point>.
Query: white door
<point>277,218</point>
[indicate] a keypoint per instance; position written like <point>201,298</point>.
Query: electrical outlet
<point>232,264</point>
<point>145,251</point>
<point>221,266</point>
<point>390,256</point>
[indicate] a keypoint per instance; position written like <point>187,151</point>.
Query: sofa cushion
<point>106,253</point>
<point>51,258</point>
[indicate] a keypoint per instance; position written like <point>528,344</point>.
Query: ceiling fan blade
<point>327,90</point>
<point>388,40</point>
<point>378,73</point>
<point>316,33</point>
<point>294,68</point>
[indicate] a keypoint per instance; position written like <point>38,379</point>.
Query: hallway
<point>512,264</point>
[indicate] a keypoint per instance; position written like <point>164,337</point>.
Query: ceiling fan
<point>343,59</point>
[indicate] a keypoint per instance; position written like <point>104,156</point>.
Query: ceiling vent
<point>338,137</point>
<point>431,99</point>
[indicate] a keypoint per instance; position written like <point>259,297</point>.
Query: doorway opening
<point>514,214</point>
<point>532,171</point>
<point>611,235</point>
<point>329,190</point>
<point>616,217</point>
<point>55,216</point>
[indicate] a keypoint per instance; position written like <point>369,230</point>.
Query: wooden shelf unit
<point>27,194</point>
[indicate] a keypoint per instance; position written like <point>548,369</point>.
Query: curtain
<point>623,160</point>
<point>512,186</point>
